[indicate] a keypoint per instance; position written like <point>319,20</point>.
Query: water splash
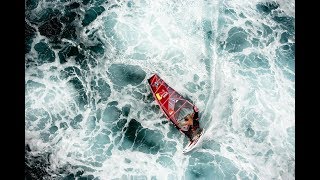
<point>90,114</point>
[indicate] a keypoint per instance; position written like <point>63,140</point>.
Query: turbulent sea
<point>89,113</point>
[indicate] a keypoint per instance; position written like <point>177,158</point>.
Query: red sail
<point>173,105</point>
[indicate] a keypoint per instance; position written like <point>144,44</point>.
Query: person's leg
<point>189,134</point>
<point>196,128</point>
<point>196,115</point>
<point>196,124</point>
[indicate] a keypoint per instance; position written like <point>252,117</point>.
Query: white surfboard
<point>193,144</point>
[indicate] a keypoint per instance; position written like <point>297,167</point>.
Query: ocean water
<point>89,113</point>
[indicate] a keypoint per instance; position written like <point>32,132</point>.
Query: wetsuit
<point>194,127</point>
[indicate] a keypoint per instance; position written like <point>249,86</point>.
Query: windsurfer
<point>191,120</point>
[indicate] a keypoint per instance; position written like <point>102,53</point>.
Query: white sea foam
<point>246,109</point>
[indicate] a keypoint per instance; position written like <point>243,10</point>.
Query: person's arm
<point>196,116</point>
<point>189,122</point>
<point>196,113</point>
<point>195,108</point>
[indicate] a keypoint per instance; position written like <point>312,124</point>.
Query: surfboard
<point>193,144</point>
<point>173,105</point>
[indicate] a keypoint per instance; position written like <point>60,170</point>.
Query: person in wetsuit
<point>192,120</point>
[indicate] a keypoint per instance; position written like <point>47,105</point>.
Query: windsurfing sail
<point>173,105</point>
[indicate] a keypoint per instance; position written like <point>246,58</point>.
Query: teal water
<point>89,113</point>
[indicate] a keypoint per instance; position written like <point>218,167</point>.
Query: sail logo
<point>165,94</point>
<point>162,94</point>
<point>156,84</point>
<point>159,97</point>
